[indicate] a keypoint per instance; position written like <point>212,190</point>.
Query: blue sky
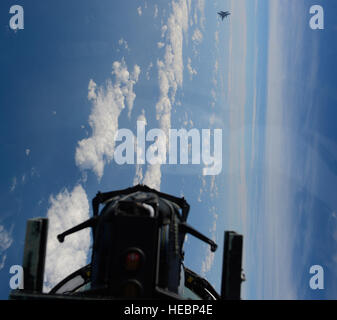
<point>262,76</point>
<point>289,234</point>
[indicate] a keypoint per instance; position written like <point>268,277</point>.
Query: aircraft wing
<point>223,14</point>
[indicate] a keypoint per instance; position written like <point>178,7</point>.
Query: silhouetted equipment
<point>34,254</point>
<point>232,275</point>
<point>137,252</point>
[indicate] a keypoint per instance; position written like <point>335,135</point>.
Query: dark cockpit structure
<point>137,253</point>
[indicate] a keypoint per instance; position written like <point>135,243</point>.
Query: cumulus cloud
<point>140,152</point>
<point>200,13</point>
<point>123,43</point>
<point>163,30</point>
<point>6,241</point>
<point>147,75</point>
<point>170,69</point>
<point>96,151</point>
<point>197,36</point>
<point>170,76</point>
<point>191,71</point>
<point>160,45</point>
<point>153,176</point>
<point>66,210</point>
<point>138,175</point>
<point>207,263</point>
<point>139,10</point>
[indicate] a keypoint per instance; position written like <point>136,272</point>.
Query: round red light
<point>132,261</point>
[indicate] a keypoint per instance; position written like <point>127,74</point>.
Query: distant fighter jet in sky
<point>223,14</point>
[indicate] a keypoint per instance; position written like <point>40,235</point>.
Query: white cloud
<point>138,175</point>
<point>208,262</point>
<point>236,95</point>
<point>155,10</point>
<point>198,13</point>
<point>148,71</point>
<point>3,260</point>
<point>140,152</point>
<point>254,109</point>
<point>163,30</point>
<point>108,103</point>
<point>216,66</point>
<point>66,210</point>
<point>6,241</point>
<point>186,120</point>
<point>286,47</point>
<point>160,45</point>
<point>216,37</point>
<point>171,68</point>
<point>170,76</point>
<point>277,220</point>
<point>123,43</point>
<point>92,90</point>
<point>153,176</point>
<point>139,10</point>
<point>34,173</point>
<point>191,71</point>
<point>197,36</point>
<point>13,186</point>
<point>27,152</point>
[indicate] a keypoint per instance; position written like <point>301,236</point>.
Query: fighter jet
<point>223,14</point>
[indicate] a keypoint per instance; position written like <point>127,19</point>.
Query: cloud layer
<point>170,76</point>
